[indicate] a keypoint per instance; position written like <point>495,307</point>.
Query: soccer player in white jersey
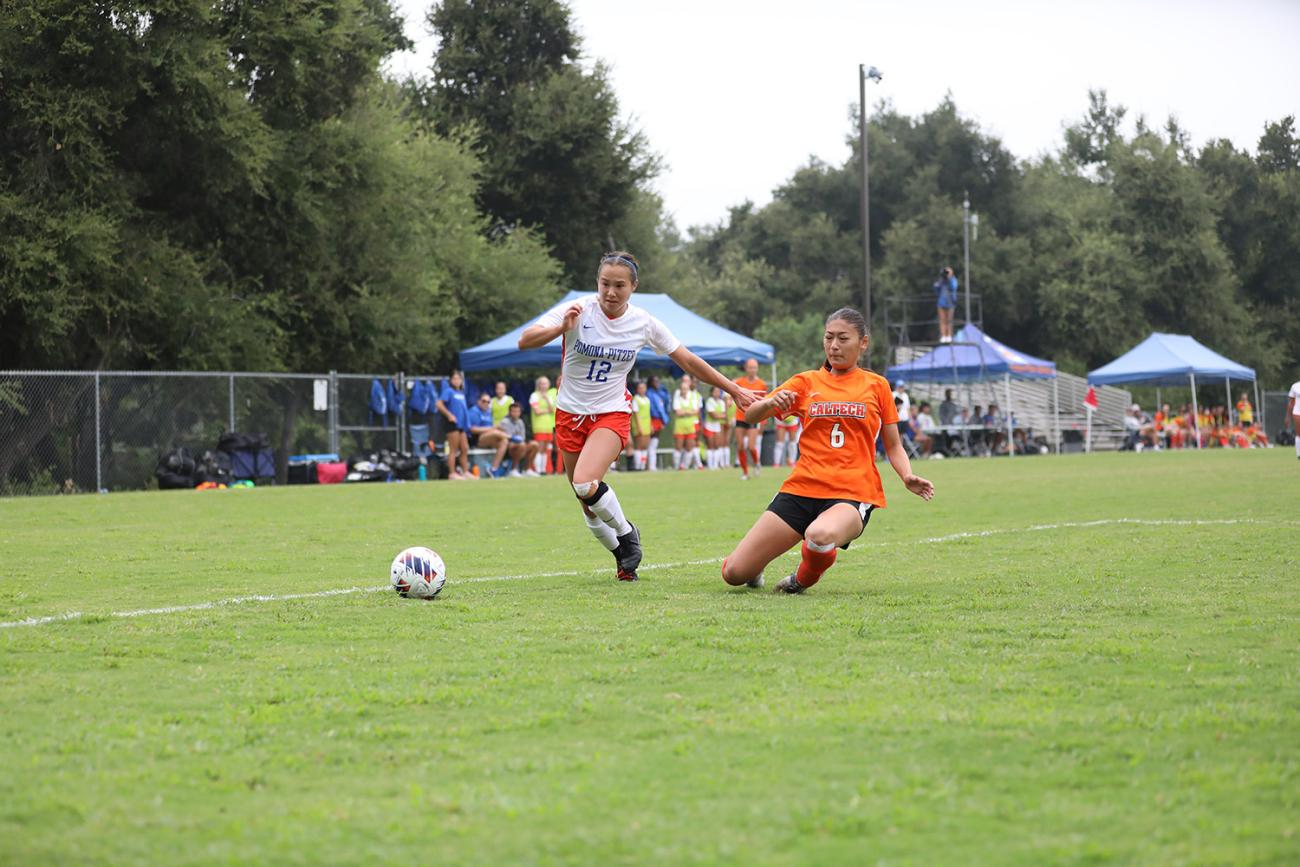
<point>1292,419</point>
<point>602,335</point>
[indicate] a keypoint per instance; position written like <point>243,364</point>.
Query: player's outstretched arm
<point>541,334</point>
<point>776,403</point>
<point>705,372</point>
<point>898,459</point>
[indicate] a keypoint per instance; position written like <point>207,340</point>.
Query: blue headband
<point>621,260</point>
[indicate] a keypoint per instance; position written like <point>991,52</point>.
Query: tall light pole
<point>865,72</point>
<point>968,221</point>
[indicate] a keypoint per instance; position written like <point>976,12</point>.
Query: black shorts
<point>741,424</point>
<point>799,511</point>
<point>450,426</point>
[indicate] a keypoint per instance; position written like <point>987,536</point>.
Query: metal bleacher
<point>1032,402</point>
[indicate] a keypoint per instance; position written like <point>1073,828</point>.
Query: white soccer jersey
<point>1295,394</point>
<point>599,353</point>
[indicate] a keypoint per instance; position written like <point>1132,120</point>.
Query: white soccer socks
<point>601,499</point>
<point>602,531</point>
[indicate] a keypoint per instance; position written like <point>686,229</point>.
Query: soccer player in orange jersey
<point>829,497</point>
<point>749,436</point>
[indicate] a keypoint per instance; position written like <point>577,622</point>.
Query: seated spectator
<point>482,434</point>
<point>522,452</point>
<point>995,430</point>
<point>948,409</point>
<point>922,425</point>
<point>1132,429</point>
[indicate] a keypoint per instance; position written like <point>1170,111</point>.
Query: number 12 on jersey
<point>601,374</point>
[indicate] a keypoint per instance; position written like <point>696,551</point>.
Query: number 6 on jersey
<point>837,436</point>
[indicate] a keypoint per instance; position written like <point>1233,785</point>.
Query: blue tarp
<point>971,357</point>
<point>1168,359</point>
<point>708,340</point>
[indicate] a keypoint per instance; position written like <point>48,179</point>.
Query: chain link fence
<point>1271,413</point>
<point>69,431</point>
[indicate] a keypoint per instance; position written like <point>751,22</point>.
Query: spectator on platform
<point>521,451</point>
<point>945,290</point>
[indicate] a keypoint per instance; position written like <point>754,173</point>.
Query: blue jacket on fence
<point>378,401</point>
<point>395,398</point>
<point>421,398</point>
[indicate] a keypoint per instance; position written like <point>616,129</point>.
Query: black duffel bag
<point>231,442</point>
<point>175,469</point>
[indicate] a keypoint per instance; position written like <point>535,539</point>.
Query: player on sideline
<point>602,335</point>
<point>829,496</point>
<point>749,436</point>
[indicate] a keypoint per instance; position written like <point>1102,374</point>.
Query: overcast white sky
<point>735,95</point>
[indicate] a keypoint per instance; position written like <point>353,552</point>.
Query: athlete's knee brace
<point>589,492</point>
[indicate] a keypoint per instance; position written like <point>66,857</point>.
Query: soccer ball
<point>418,573</point>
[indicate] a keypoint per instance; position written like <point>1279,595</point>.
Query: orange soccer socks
<point>813,561</point>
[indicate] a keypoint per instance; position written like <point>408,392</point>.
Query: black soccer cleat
<point>628,552</point>
<point>625,576</point>
<point>788,584</point>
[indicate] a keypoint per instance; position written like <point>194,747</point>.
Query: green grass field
<point>1085,659</point>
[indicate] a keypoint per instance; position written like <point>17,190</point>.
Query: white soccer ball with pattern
<point>418,573</point>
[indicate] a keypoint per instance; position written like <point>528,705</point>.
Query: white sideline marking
<point>348,591</point>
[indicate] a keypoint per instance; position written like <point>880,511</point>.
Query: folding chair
<point>419,434</point>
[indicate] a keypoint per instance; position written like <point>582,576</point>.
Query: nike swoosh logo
<point>586,326</point>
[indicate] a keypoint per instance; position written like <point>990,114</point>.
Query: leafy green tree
<point>108,114</point>
<point>555,154</point>
<point>233,186</point>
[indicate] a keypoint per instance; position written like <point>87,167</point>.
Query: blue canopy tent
<point>973,356</point>
<point>708,340</point>
<point>1174,359</point>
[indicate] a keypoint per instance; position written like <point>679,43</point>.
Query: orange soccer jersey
<point>842,416</point>
<point>753,384</point>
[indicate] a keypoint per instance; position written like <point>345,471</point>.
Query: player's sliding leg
<point>769,538</point>
<point>586,474</point>
<point>838,525</point>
